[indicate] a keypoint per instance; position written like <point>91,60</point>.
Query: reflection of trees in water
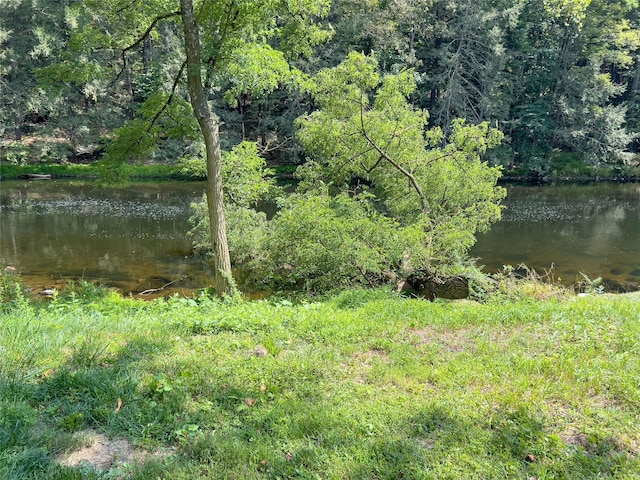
<point>63,243</point>
<point>53,231</point>
<point>594,229</point>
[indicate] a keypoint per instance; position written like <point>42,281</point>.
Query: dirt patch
<point>451,340</point>
<point>576,439</point>
<point>362,362</point>
<point>103,454</point>
<point>469,339</point>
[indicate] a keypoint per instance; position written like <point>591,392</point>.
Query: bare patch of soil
<point>362,363</point>
<point>571,437</point>
<point>103,454</point>
<point>452,340</point>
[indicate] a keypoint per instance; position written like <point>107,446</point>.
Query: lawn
<point>364,385</point>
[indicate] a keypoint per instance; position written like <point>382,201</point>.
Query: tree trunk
<point>210,130</point>
<point>17,121</point>
<point>146,54</point>
<point>635,84</point>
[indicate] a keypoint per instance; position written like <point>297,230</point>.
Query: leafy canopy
<point>366,128</point>
<point>382,194</point>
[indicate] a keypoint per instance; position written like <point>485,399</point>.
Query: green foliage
<point>553,74</point>
<point>381,199</point>
<point>318,242</point>
<point>246,234</point>
<point>13,293</point>
<point>257,70</point>
<point>430,200</point>
<point>248,182</point>
<point>246,176</point>
<point>244,47</point>
<point>139,138</point>
<point>16,153</point>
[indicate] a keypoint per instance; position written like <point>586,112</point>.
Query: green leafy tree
<point>52,90</point>
<point>569,62</point>
<point>380,185</point>
<point>30,32</point>
<point>240,45</point>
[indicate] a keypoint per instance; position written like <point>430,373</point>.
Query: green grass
<point>10,171</point>
<point>365,385</point>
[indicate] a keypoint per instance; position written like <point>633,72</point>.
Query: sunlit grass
<point>364,385</point>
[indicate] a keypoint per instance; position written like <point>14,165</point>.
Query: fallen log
<point>423,285</point>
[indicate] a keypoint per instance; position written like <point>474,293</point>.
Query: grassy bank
<point>570,167</point>
<point>70,170</point>
<point>365,385</point>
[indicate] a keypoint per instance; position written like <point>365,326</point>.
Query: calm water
<point>135,238</point>
<point>593,229</point>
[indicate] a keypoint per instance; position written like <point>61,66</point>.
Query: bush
<point>13,293</point>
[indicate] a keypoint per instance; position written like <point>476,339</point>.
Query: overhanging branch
<point>135,44</point>
<point>383,154</point>
<point>170,98</point>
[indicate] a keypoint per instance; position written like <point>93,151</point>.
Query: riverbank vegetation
<point>399,135</point>
<point>90,171</point>
<point>365,384</point>
<point>554,76</point>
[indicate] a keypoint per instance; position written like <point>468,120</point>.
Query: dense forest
<point>399,115</point>
<point>552,75</point>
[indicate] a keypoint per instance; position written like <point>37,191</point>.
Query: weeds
<point>590,286</point>
<point>522,282</point>
<point>13,293</point>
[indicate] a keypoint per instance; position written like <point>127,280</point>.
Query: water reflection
<point>132,238</point>
<point>135,238</point>
<point>593,229</point>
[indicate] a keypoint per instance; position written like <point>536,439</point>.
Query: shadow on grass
<point>517,444</point>
<point>288,429</point>
<point>89,390</point>
<point>143,394</point>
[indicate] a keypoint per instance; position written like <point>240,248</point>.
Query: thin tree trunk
<point>146,54</point>
<point>210,130</point>
<point>635,84</point>
<point>17,121</point>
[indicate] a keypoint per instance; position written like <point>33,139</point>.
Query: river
<point>135,238</point>
<point>569,230</point>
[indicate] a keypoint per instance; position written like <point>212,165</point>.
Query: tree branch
<point>396,165</point>
<point>153,24</point>
<point>127,7</point>
<point>170,98</point>
<point>232,16</point>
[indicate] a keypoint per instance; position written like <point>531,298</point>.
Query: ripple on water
<point>101,207</point>
<point>563,212</point>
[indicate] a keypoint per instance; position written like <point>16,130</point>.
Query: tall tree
<point>243,46</point>
<point>211,133</point>
<point>29,32</point>
<point>434,192</point>
<point>568,61</point>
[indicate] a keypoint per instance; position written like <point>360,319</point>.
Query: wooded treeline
<point>552,75</point>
